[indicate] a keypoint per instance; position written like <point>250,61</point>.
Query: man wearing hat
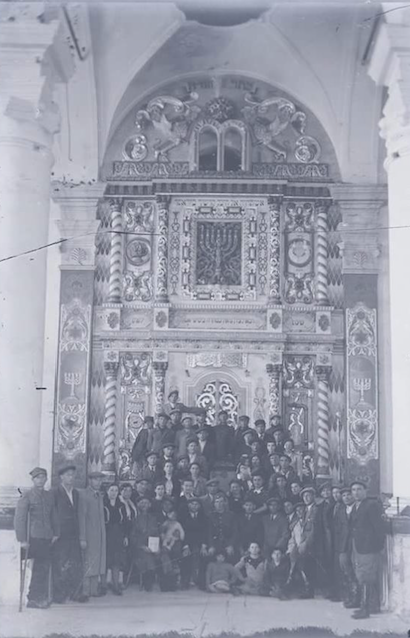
<point>275,527</point>
<point>175,416</point>
<point>92,535</point>
<point>238,441</point>
<point>205,445</point>
<point>194,551</point>
<point>174,403</point>
<point>208,500</point>
<point>368,536</point>
<point>152,470</point>
<point>249,525</point>
<point>168,454</point>
<point>224,437</point>
<point>323,536</point>
<point>142,443</point>
<point>67,563</point>
<point>162,433</point>
<point>36,528</point>
<point>182,436</point>
<point>345,584</point>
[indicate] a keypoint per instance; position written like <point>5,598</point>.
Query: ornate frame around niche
<point>220,130</point>
<point>184,217</point>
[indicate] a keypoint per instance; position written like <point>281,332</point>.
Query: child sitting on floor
<point>276,575</point>
<point>252,569</point>
<point>220,575</point>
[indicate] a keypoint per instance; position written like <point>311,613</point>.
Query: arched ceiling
<point>313,52</point>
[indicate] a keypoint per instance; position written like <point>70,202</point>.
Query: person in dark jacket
<point>152,470</point>
<point>275,527</point>
<point>205,445</point>
<point>116,528</point>
<point>224,438</point>
<point>193,563</point>
<point>368,535</point>
<point>142,444</point>
<point>323,540</point>
<point>249,526</point>
<point>238,441</point>
<point>67,561</point>
<point>36,528</point>
<point>222,529</point>
<point>345,580</point>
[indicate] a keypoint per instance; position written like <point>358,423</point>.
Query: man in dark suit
<point>345,583</point>
<point>142,443</point>
<point>67,562</point>
<point>249,526</point>
<point>222,529</point>
<point>152,470</point>
<point>368,535</point>
<point>275,528</point>
<point>193,562</point>
<point>238,442</point>
<point>206,447</point>
<point>224,438</point>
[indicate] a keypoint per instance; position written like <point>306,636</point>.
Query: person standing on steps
<point>36,528</point>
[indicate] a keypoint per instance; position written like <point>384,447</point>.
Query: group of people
<point>271,532</point>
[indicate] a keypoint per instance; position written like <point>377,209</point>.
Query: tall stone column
<point>28,121</point>
<point>161,289</point>
<point>274,372</point>
<point>160,368</point>
<point>321,254</point>
<point>111,365</point>
<point>274,250</point>
<point>390,67</point>
<point>116,257</point>
<point>322,373</point>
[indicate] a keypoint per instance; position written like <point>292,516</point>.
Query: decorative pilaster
<point>161,292</point>
<point>322,373</point>
<point>115,283</point>
<point>274,371</point>
<point>160,368</point>
<point>321,254</point>
<point>274,250</point>
<point>111,365</point>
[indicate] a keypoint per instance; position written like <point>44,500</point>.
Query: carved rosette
<point>111,371</point>
<point>274,371</point>
<point>161,293</point>
<point>115,282</point>
<point>322,373</point>
<point>274,249</point>
<point>160,368</point>
<point>322,254</point>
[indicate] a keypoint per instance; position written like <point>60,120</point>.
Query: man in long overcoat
<point>92,536</point>
<point>36,529</point>
<point>67,562</point>
<point>368,535</point>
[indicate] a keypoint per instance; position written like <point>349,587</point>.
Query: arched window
<point>232,151</point>
<point>208,150</point>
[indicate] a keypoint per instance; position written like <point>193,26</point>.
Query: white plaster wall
<point>10,569</point>
<point>399,594</point>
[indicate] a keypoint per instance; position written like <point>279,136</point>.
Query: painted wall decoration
<point>299,276</point>
<point>138,224</point>
<point>70,436</point>
<point>218,253</point>
<point>362,421</point>
<point>298,384</point>
<point>219,395</point>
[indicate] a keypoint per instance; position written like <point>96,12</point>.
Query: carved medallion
<point>138,252</point>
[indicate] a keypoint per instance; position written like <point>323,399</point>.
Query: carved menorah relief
<point>72,379</point>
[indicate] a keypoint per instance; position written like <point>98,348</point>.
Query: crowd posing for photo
<point>273,531</point>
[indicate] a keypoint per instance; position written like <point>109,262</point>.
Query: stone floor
<point>191,612</point>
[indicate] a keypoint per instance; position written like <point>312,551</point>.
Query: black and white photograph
<point>204,319</point>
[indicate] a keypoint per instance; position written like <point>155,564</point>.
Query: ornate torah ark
<point>219,272</point>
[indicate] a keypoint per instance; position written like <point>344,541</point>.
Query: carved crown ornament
<point>218,132</point>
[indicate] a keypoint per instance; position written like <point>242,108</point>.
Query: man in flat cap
<point>92,535</point>
<point>162,433</point>
<point>174,402</point>
<point>368,536</point>
<point>346,586</point>
<point>142,442</point>
<point>67,563</point>
<point>275,527</point>
<point>36,529</point>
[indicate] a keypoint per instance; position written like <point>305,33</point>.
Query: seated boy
<point>221,576</point>
<point>252,569</point>
<point>276,575</point>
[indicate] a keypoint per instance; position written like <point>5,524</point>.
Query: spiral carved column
<point>161,292</point>
<point>322,373</point>
<point>160,368</point>
<point>115,282</point>
<point>322,255</point>
<point>111,370</point>
<point>274,250</point>
<point>274,371</point>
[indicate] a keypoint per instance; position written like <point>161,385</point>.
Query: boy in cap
<point>275,527</point>
<point>174,403</point>
<point>36,528</point>
<point>67,563</point>
<point>208,500</point>
<point>92,536</point>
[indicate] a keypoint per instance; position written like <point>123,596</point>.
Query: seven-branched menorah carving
<point>219,244</point>
<point>362,385</point>
<point>72,379</point>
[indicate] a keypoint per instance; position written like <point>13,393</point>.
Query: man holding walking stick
<point>36,529</point>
